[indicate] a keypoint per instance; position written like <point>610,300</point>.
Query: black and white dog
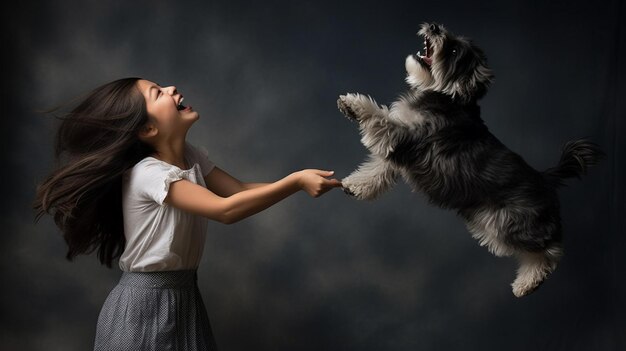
<point>433,136</point>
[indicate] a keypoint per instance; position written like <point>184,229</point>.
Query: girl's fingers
<point>324,173</point>
<point>337,182</point>
<point>334,182</point>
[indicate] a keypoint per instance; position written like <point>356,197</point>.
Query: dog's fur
<point>433,136</point>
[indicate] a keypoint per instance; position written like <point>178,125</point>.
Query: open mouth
<point>426,59</point>
<point>180,106</point>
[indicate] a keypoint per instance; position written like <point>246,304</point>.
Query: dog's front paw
<point>358,188</point>
<point>347,191</point>
<point>345,103</point>
<point>350,187</point>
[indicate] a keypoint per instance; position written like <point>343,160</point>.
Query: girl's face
<point>161,102</point>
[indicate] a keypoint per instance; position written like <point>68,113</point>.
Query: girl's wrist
<point>296,178</point>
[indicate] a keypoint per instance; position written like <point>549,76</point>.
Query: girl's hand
<point>313,182</point>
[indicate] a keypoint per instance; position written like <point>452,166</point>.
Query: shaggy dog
<point>433,136</point>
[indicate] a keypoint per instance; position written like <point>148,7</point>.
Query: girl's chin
<point>188,112</point>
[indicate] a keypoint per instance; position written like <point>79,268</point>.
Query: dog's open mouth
<point>426,59</point>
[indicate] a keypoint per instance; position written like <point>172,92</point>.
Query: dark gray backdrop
<point>330,273</point>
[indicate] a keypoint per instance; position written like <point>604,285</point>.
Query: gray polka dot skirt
<point>156,311</point>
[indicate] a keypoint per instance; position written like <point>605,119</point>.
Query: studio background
<point>330,273</point>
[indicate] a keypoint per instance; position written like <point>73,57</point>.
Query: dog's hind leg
<point>534,268</point>
<point>372,178</point>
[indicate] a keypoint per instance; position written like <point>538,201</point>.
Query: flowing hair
<point>95,143</point>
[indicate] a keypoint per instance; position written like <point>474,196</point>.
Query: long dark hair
<point>95,143</point>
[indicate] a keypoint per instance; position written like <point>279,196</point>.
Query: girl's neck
<point>173,154</point>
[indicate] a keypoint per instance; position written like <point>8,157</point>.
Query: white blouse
<point>161,237</point>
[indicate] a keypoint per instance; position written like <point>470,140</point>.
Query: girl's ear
<point>147,131</point>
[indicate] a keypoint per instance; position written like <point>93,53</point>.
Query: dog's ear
<point>467,76</point>
<point>480,80</point>
<point>473,86</point>
<point>481,75</point>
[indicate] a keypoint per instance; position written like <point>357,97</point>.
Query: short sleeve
<point>152,179</point>
<point>202,155</point>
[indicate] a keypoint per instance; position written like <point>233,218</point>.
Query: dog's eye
<point>453,51</point>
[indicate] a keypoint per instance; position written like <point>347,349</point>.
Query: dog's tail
<point>576,157</point>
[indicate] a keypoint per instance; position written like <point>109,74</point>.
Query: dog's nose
<point>434,28</point>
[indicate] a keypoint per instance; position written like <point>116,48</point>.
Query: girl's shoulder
<point>147,169</point>
<point>193,154</point>
<point>150,179</point>
<point>149,166</point>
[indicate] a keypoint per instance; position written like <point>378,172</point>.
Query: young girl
<point>134,188</point>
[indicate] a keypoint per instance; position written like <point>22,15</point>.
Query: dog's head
<point>450,64</point>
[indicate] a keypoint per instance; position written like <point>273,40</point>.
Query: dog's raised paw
<point>348,191</point>
<point>344,107</point>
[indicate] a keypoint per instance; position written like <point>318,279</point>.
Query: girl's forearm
<point>247,186</point>
<point>253,200</point>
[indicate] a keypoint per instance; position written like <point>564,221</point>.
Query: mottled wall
<point>331,273</point>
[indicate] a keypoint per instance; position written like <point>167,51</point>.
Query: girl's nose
<point>172,90</point>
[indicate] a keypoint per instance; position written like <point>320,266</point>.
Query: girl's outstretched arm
<point>223,184</point>
<point>197,199</point>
